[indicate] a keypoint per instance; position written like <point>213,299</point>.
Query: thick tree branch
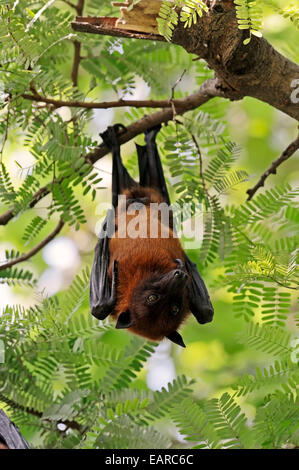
<point>208,90</point>
<point>255,70</point>
<point>34,250</point>
<point>289,151</point>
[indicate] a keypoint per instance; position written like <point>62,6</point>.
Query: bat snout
<point>175,280</point>
<point>178,278</point>
<point>206,314</point>
<point>179,274</point>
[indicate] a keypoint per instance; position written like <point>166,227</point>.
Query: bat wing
<point>102,296</point>
<point>200,303</point>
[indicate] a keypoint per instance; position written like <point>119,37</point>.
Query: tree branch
<point>255,69</point>
<point>204,186</point>
<point>41,193</point>
<point>70,4</point>
<point>102,105</point>
<point>106,26</point>
<point>77,47</point>
<point>34,250</point>
<point>289,151</point>
<point>76,62</point>
<point>208,90</point>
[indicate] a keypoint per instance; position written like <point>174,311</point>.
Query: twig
<point>38,14</point>
<point>172,92</point>
<point>79,7</point>
<point>289,151</point>
<point>70,4</point>
<point>102,105</point>
<point>34,250</point>
<point>76,63</point>
<point>42,192</point>
<point>77,47</point>
<point>200,166</point>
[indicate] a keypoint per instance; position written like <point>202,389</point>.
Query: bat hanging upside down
<point>147,283</point>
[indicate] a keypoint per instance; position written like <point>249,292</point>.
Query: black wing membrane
<point>102,296</point>
<point>200,303</point>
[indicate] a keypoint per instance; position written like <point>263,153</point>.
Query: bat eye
<point>152,298</point>
<point>174,310</point>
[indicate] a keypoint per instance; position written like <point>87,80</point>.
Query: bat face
<point>158,305</point>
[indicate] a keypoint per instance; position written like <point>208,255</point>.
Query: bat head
<point>158,306</point>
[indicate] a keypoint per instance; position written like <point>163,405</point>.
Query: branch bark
<point>289,151</point>
<point>103,104</point>
<point>77,48</point>
<point>255,70</point>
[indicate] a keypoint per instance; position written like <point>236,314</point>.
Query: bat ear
<point>124,320</point>
<point>176,338</point>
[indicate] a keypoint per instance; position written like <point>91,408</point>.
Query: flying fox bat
<point>148,284</point>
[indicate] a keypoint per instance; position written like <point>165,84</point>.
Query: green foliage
<point>281,375</point>
<point>55,355</point>
<point>228,420</point>
<point>194,423</point>
<point>190,10</point>
<point>277,422</point>
<point>267,339</point>
<point>287,10</point>
<point>168,18</point>
<point>7,192</point>
<point>185,11</point>
<point>250,14</point>
<point>14,275</point>
<point>33,229</point>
